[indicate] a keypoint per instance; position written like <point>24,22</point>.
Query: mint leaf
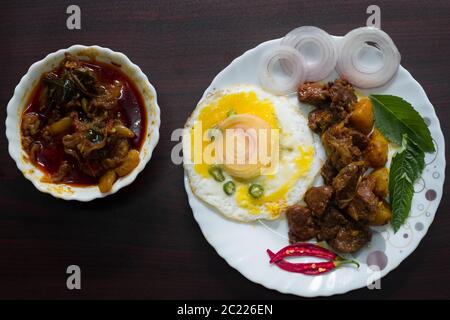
<point>410,160</point>
<point>407,165</point>
<point>395,117</point>
<point>401,203</point>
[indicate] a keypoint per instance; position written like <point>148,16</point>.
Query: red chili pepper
<point>304,250</point>
<point>312,268</point>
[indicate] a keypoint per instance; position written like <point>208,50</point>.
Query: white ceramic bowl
<point>20,98</point>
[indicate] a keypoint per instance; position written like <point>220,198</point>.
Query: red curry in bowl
<point>84,124</point>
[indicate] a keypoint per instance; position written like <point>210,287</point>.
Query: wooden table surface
<point>143,241</point>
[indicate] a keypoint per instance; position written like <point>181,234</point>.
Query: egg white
<point>295,136</point>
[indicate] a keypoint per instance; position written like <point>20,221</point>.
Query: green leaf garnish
<point>395,117</point>
<point>406,167</point>
<point>410,159</point>
<point>401,204</point>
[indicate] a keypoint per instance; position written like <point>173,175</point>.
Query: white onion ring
<point>355,71</point>
<point>293,64</point>
<point>318,64</point>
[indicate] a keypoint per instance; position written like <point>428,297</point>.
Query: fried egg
<point>271,167</point>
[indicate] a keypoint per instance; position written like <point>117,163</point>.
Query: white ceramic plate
<point>244,245</point>
<point>21,95</point>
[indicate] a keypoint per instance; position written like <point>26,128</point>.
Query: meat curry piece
<point>364,203</point>
<point>320,119</point>
<point>318,198</point>
<point>328,172</point>
<point>346,182</point>
<point>314,93</point>
<point>343,98</point>
<point>83,120</point>
<point>335,101</point>
<point>343,145</point>
<point>341,233</point>
<point>302,225</point>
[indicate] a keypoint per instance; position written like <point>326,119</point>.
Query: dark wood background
<point>143,241</point>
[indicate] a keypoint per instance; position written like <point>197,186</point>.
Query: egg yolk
<point>246,138</point>
<point>214,114</point>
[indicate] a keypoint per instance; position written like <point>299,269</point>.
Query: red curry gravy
<point>130,110</point>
